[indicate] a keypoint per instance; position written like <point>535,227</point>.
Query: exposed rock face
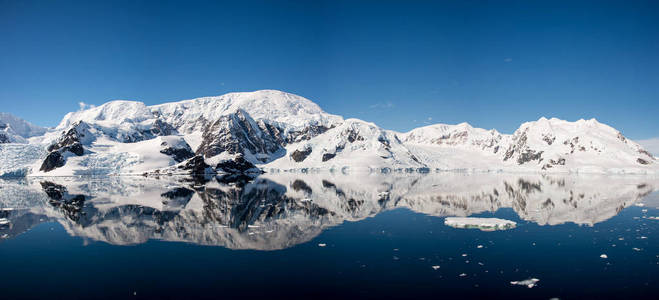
<point>3,138</point>
<point>237,165</point>
<point>306,134</point>
<point>239,134</point>
<point>529,155</point>
<point>53,161</point>
<point>70,141</point>
<point>177,148</point>
<point>300,155</point>
<point>328,156</point>
<point>643,161</point>
<point>196,165</point>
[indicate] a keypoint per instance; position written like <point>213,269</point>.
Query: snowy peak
<point>112,113</point>
<point>552,142</point>
<point>352,143</point>
<point>287,111</point>
<point>461,135</point>
<point>16,130</point>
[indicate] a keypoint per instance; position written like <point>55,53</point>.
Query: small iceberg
<point>531,282</point>
<point>485,224</point>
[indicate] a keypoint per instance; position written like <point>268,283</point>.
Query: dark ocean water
<point>309,237</point>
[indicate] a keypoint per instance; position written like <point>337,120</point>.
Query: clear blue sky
<point>493,64</point>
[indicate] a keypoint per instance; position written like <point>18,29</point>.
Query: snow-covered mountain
<point>543,145</point>
<point>274,130</point>
<point>16,130</point>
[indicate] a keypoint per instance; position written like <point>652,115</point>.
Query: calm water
<point>329,236</point>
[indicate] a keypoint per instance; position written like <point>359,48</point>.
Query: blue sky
<point>400,64</point>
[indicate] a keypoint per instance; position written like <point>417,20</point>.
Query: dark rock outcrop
<point>237,165</point>
<point>238,133</point>
<point>3,138</point>
<point>70,141</point>
<point>328,156</point>
<point>196,165</point>
<point>300,155</point>
<point>179,152</point>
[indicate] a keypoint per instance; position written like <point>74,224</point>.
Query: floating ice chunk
<point>253,226</point>
<point>531,282</point>
<point>463,275</point>
<point>479,246</point>
<point>640,204</point>
<point>485,224</point>
<point>636,249</point>
<point>322,245</point>
<point>435,267</point>
<point>653,218</point>
<point>306,200</point>
<point>4,221</point>
<point>603,256</point>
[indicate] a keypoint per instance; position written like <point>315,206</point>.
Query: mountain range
<point>271,131</point>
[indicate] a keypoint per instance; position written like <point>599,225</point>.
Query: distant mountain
<point>274,130</point>
<point>16,130</point>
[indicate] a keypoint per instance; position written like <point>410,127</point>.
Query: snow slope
<point>547,145</point>
<point>17,130</point>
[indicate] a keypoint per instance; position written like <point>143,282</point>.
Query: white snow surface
<point>480,223</point>
<point>284,109</point>
<point>18,130</point>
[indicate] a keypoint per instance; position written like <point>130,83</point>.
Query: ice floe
<point>531,282</point>
<point>485,224</point>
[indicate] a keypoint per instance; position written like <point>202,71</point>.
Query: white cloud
<point>507,59</point>
<point>383,105</point>
<point>651,145</point>
<point>84,105</point>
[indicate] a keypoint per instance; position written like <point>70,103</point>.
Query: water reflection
<point>282,210</point>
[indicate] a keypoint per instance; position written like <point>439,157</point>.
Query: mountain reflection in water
<point>278,211</point>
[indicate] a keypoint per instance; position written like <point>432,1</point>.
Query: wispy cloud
<point>84,105</point>
<point>507,59</point>
<point>382,105</point>
<point>651,145</point>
